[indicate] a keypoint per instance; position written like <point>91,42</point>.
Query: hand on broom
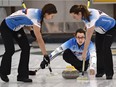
<point>45,62</point>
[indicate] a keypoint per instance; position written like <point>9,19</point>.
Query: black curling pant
<point>69,57</point>
<point>104,55</point>
<point>8,36</point>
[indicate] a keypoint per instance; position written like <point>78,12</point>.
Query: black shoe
<point>24,80</point>
<point>109,77</point>
<point>4,78</point>
<point>99,75</point>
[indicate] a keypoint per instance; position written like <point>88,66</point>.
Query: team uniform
<point>105,27</point>
<point>102,21</point>
<point>25,17</point>
<point>12,28</point>
<point>74,55</point>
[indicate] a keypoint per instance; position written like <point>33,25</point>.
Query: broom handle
<point>83,68</point>
<point>50,69</point>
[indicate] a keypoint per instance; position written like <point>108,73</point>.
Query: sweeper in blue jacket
<point>12,27</point>
<point>105,28</point>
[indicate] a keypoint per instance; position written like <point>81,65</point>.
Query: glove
<point>32,34</point>
<point>45,62</point>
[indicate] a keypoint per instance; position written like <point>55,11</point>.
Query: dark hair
<point>48,8</point>
<point>81,8</point>
<point>80,30</point>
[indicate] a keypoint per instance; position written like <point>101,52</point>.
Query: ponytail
<point>48,8</point>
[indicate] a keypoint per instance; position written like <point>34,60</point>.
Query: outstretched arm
<point>39,39</point>
<point>89,34</point>
<point>56,52</point>
<point>61,48</point>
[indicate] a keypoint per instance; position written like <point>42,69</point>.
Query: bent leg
<point>69,57</point>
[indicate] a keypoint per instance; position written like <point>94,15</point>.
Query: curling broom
<point>83,66</point>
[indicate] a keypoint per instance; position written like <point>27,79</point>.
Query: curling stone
<point>70,73</point>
